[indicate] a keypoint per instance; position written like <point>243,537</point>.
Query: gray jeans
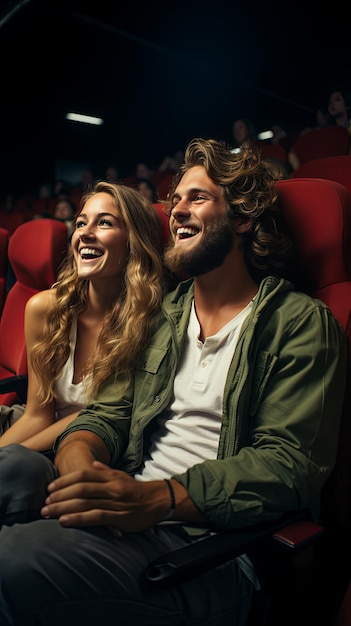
<point>50,575</point>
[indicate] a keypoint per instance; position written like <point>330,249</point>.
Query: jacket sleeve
<point>293,412</point>
<point>108,416</point>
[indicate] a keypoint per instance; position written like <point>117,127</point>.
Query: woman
<point>339,109</point>
<point>244,133</point>
<point>94,321</point>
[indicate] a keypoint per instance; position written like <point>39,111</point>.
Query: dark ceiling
<point>157,74</point>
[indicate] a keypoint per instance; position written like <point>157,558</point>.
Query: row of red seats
<point>333,141</point>
<point>26,207</point>
<point>314,144</point>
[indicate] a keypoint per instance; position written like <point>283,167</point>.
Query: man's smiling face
<point>200,224</point>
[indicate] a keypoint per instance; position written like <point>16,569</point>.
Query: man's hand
<point>102,496</point>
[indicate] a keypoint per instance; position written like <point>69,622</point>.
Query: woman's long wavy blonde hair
<point>248,187</point>
<point>126,328</point>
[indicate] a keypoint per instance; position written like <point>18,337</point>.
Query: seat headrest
<point>318,215</point>
<point>36,249</point>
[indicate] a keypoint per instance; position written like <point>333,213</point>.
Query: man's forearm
<point>78,450</point>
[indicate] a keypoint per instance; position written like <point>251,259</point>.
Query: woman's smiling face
<point>100,239</point>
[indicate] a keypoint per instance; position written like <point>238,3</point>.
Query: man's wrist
<point>172,500</point>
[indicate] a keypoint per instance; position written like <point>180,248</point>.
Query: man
<point>226,425</point>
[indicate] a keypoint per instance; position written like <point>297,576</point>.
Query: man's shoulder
<point>183,292</point>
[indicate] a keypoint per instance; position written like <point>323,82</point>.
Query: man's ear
<point>242,225</point>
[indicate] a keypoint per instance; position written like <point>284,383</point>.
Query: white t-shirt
<point>189,430</point>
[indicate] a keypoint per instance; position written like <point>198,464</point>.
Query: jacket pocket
<point>264,367</point>
<point>152,359</point>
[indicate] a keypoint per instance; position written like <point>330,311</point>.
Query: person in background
<point>147,189</point>
<point>231,420</point>
<point>172,163</point>
<point>243,132</point>
<point>339,108</point>
<point>112,173</point>
<point>143,170</point>
<point>335,114</point>
<point>96,318</point>
<point>277,167</point>
<point>64,211</point>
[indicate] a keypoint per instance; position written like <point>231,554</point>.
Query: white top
<point>70,396</point>
<point>189,430</point>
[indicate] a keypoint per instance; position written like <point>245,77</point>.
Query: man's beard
<point>215,244</point>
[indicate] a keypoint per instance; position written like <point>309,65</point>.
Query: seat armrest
<point>212,550</point>
<point>18,384</point>
<point>295,537</point>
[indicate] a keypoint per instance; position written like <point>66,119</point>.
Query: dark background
<point>159,74</point>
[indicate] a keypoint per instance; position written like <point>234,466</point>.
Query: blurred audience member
<point>64,211</point>
<point>112,173</point>
<point>277,167</point>
<point>143,170</point>
<point>61,189</point>
<point>244,132</point>
<point>339,108</point>
<point>43,203</point>
<point>172,162</point>
<point>323,118</point>
<point>279,134</point>
<point>147,189</point>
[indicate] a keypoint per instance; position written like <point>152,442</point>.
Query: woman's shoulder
<point>40,302</point>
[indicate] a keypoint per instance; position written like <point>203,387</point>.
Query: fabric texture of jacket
<point>282,405</point>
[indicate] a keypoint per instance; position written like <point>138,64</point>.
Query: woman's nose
<point>86,232</point>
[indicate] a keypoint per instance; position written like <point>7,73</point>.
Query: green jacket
<point>281,408</point>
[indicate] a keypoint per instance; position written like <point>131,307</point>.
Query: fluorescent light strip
<point>266,134</point>
<point>85,119</point>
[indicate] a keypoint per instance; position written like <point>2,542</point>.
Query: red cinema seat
<point>336,168</point>
<point>322,142</point>
<point>36,250</point>
<point>4,242</point>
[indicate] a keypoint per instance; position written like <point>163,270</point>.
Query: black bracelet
<point>171,497</point>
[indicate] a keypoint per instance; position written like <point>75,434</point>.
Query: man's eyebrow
<point>194,190</point>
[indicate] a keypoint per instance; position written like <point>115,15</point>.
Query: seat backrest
<point>321,142</point>
<point>336,167</point>
<point>164,220</point>
<point>35,252</point>
<point>4,242</point>
<point>318,213</point>
<point>271,150</point>
<point>162,181</point>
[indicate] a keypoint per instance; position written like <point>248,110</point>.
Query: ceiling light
<point>266,134</point>
<point>85,119</point>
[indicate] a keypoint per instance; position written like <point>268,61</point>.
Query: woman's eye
<point>80,224</point>
<point>105,222</point>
